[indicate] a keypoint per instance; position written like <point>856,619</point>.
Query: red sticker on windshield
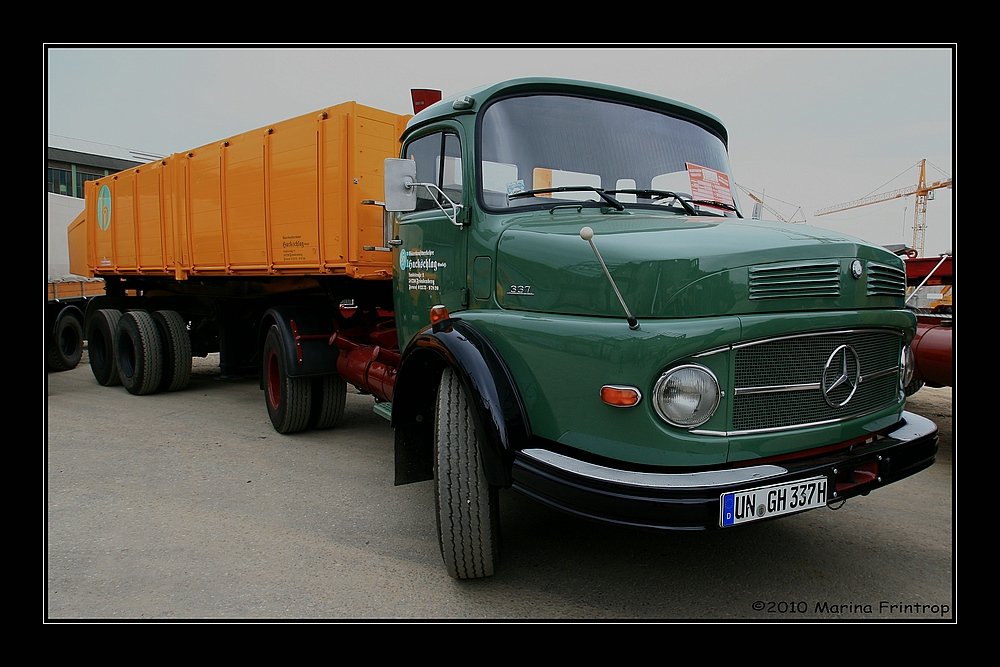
<point>709,185</point>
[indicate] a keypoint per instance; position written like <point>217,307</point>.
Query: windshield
<point>552,141</point>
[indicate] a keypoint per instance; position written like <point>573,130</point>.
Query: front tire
<point>288,399</point>
<point>468,511</point>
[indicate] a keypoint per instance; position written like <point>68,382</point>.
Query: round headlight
<point>686,396</point>
<point>906,367</point>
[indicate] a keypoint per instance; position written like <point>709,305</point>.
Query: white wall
<point>61,211</point>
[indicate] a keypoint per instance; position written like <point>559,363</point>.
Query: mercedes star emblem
<point>842,368</point>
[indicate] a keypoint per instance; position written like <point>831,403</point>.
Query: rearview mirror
<point>400,195</point>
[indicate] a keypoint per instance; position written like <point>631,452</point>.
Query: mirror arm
<point>455,208</point>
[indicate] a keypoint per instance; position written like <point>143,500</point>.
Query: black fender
<point>501,421</point>
<point>303,358</point>
<point>121,303</point>
<point>56,310</point>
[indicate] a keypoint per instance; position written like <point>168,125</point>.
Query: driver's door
<point>430,261</point>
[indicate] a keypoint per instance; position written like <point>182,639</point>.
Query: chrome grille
<point>885,280</point>
<point>778,382</point>
<point>798,279</point>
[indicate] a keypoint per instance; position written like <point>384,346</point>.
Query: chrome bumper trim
<point>683,480</point>
<point>913,428</point>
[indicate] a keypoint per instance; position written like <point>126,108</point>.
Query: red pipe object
<point>368,367</point>
<point>932,349</point>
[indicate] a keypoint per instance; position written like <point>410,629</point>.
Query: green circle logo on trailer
<point>104,208</point>
<point>404,260</point>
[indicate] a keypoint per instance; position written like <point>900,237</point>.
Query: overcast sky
<point>811,127</point>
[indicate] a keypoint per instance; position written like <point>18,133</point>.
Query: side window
<point>439,161</point>
<point>451,169</point>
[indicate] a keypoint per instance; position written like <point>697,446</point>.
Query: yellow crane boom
<point>759,199</point>
<point>923,190</point>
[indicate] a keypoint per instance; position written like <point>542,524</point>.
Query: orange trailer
<point>285,199</point>
<point>207,249</point>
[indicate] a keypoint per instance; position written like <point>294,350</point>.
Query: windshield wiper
<point>659,194</point>
<point>617,205</point>
<point>717,204</point>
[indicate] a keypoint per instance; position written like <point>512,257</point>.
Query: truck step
<point>384,410</point>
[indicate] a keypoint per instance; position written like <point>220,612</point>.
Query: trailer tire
<point>329,395</point>
<point>65,342</point>
<point>467,507</point>
<point>101,346</point>
<point>139,353</point>
<point>176,350</point>
<point>288,399</point>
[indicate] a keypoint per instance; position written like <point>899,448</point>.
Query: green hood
<point>672,266</point>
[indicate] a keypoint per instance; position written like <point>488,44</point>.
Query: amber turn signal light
<point>620,397</point>
<point>439,314</point>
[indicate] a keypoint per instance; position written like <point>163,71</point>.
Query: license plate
<point>767,501</point>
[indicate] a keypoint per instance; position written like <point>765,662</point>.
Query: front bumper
<point>690,501</point>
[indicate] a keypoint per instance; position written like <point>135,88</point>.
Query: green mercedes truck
<point>572,306</point>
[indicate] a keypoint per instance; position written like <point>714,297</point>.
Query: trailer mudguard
<point>501,421</point>
<point>110,302</point>
<point>304,356</point>
<point>56,309</point>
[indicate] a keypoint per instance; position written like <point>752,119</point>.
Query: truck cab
<point>585,316</point>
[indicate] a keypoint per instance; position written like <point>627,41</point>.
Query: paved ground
<point>188,505</point>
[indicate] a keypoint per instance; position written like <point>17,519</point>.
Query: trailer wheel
<point>65,342</point>
<point>139,352</point>
<point>329,394</point>
<point>468,509</point>
<point>101,346</point>
<point>288,399</point>
<point>176,349</point>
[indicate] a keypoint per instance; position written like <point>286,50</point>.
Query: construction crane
<point>759,204</point>
<point>924,192</point>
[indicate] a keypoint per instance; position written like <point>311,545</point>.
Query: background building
<point>69,164</point>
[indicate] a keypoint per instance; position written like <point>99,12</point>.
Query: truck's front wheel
<point>288,399</point>
<point>468,511</point>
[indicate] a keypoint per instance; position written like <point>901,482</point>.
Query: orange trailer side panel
<point>334,198</point>
<point>374,138</point>
<point>100,240</point>
<point>293,182</point>
<point>279,200</point>
<point>123,231</point>
<point>205,211</point>
<point>152,255</point>
<point>244,160</point>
